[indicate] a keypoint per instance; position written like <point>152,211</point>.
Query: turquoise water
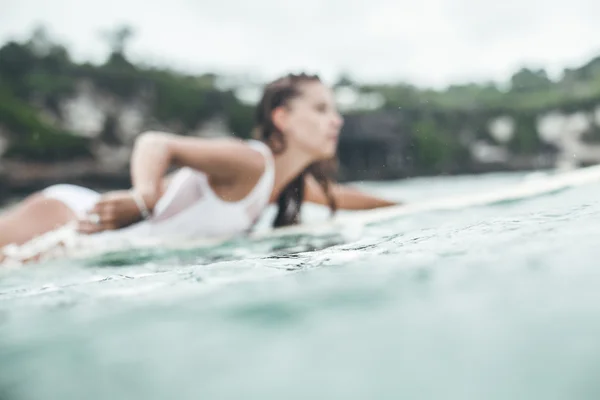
<point>493,302</point>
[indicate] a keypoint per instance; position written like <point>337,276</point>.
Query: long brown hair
<point>276,94</point>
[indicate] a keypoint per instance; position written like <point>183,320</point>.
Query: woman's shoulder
<point>246,150</point>
<point>253,156</point>
<point>237,144</point>
<point>230,157</point>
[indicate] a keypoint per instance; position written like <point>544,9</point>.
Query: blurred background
<point>430,88</point>
<point>497,301</point>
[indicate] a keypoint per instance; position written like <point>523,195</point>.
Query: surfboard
<point>65,242</point>
<point>527,188</point>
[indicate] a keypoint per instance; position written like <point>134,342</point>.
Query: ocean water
<point>488,302</point>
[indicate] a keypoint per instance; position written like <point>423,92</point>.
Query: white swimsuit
<point>188,208</point>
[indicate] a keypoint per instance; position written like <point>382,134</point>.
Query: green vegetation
<point>38,74</point>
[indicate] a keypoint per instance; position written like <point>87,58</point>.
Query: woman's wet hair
<point>276,94</point>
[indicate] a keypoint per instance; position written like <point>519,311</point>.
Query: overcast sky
<point>425,42</point>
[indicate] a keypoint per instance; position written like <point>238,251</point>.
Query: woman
<point>223,184</point>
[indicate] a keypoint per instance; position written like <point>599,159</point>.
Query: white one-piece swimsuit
<point>189,206</point>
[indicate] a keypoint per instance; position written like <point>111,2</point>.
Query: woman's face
<point>311,122</point>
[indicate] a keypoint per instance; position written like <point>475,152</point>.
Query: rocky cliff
<point>66,122</point>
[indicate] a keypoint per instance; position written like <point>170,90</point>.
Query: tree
<point>344,80</point>
<point>118,39</point>
<point>528,80</point>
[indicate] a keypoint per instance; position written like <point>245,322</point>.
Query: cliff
<point>66,122</point>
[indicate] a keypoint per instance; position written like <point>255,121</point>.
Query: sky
<point>428,43</point>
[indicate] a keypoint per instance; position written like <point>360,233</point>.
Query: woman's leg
<point>32,217</point>
<point>44,211</point>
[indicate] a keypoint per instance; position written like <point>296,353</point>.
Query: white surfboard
<point>65,242</point>
<point>526,189</point>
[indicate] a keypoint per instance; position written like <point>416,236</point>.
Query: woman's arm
<point>223,160</point>
<point>347,198</point>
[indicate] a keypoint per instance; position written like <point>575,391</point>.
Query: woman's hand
<point>114,210</point>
